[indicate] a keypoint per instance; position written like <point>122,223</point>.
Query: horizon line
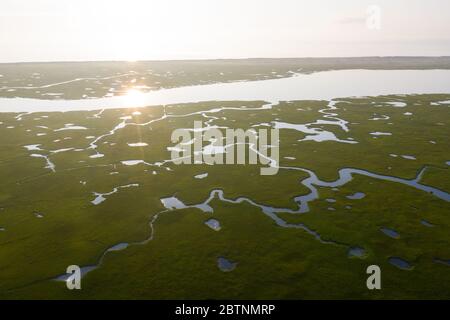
<point>225,59</point>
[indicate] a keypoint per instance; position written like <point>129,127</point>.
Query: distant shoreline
<point>236,60</point>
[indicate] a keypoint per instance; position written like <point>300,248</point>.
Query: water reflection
<point>317,86</point>
<point>133,97</point>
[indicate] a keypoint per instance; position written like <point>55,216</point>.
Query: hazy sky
<point>50,30</point>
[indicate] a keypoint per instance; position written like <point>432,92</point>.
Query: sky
<point>77,30</point>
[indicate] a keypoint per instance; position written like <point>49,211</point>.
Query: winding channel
<point>345,176</point>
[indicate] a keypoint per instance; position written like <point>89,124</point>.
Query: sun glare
<point>134,97</point>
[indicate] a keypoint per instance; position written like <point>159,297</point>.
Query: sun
<point>134,98</point>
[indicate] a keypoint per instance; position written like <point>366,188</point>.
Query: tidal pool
<point>118,247</point>
<point>441,261</point>
<point>173,203</point>
<point>313,134</point>
<point>426,223</point>
<point>33,147</point>
<point>70,126</point>
<point>101,197</point>
<point>356,196</point>
<point>357,252</point>
<point>213,224</point>
<point>201,176</point>
<point>381,133</point>
<point>138,144</point>
<point>226,265</point>
<point>38,215</point>
<point>390,233</point>
<point>97,155</point>
<point>400,263</point>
